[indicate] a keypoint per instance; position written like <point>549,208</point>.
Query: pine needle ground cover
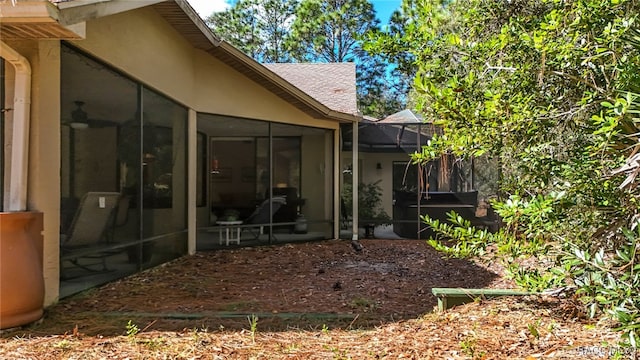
<point>318,300</point>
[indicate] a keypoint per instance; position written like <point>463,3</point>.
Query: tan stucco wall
<point>369,173</point>
<point>167,63</point>
<point>313,168</point>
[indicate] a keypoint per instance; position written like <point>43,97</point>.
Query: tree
<point>328,30</point>
<point>332,31</point>
<point>399,64</point>
<point>378,94</point>
<point>314,31</point>
<point>257,27</point>
<point>540,84</point>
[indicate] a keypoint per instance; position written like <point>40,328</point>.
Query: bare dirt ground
<point>318,300</point>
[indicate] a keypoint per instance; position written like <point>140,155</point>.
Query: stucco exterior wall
<point>141,44</point>
<point>370,173</point>
<point>44,159</point>
<point>314,168</point>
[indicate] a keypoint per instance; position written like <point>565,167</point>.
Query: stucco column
<point>44,155</point>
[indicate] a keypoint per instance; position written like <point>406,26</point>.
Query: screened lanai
<point>123,178</point>
<point>408,190</point>
<point>265,182</point>
<point>124,155</point>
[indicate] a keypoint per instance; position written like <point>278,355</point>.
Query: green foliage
<point>469,345</point>
<point>328,30</point>
<point>550,89</point>
<point>534,279</point>
<point>533,330</point>
<point>253,326</point>
<point>260,28</point>
<point>64,345</point>
<point>608,279</point>
<point>457,238</point>
<point>132,331</point>
<point>369,202</point>
<point>332,31</point>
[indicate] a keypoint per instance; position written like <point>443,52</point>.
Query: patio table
<point>229,227</point>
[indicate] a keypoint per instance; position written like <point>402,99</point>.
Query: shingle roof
<point>402,117</point>
<point>332,84</point>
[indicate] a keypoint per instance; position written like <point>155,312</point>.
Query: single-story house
<point>128,128</point>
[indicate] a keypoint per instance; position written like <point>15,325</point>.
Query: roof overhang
<point>35,20</point>
<point>42,19</point>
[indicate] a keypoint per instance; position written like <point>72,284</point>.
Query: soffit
<point>34,20</point>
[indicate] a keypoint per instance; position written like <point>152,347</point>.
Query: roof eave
<point>36,20</point>
<point>73,12</point>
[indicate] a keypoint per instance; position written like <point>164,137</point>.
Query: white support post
<point>192,143</point>
<point>337,179</point>
<point>355,179</point>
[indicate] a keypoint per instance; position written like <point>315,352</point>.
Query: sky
<point>383,8</point>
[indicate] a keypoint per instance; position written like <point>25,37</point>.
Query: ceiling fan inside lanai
<point>80,119</point>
